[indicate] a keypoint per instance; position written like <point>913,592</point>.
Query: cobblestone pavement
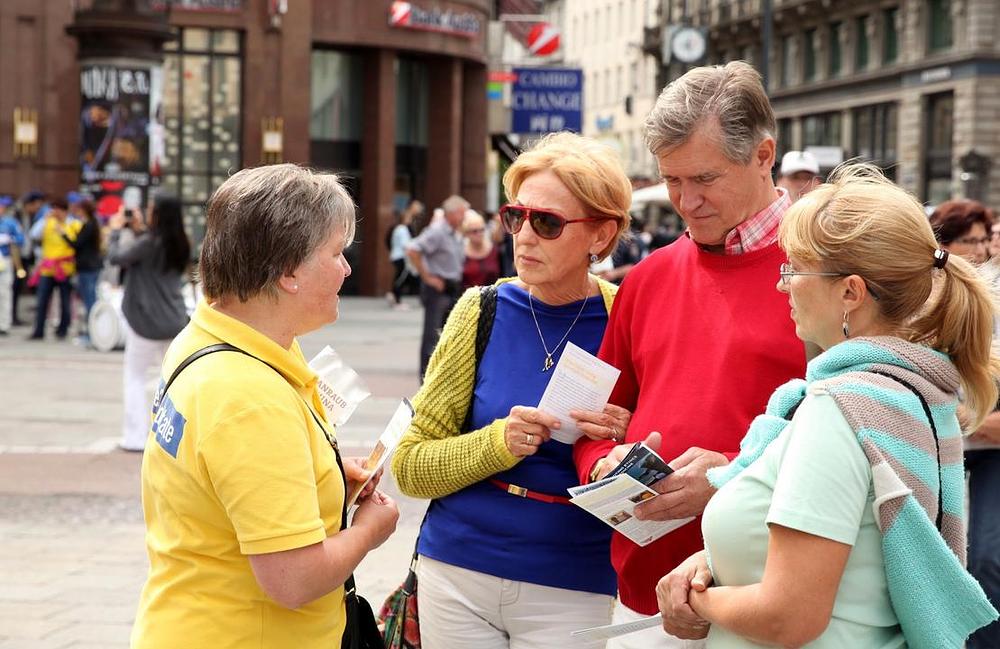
<point>72,557</point>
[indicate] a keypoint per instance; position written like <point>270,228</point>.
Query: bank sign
<point>546,100</point>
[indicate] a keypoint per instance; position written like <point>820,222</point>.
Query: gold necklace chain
<point>548,354</point>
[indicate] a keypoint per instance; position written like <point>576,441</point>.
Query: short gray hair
<point>732,93</point>
<point>262,223</point>
<point>455,203</point>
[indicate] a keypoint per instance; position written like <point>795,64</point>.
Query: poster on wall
<point>118,132</point>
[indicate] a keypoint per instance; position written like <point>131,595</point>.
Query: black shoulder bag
<point>360,632</point>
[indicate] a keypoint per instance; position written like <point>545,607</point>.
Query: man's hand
<point>434,282</point>
<point>989,430</point>
<point>686,491</point>
<point>618,453</point>
<point>679,619</point>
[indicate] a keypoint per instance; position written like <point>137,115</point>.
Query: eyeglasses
<point>787,272</point>
<point>547,224</point>
<point>974,241</point>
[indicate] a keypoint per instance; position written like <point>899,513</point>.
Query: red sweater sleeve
<point>616,350</point>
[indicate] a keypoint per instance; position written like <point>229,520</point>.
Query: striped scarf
<point>937,602</point>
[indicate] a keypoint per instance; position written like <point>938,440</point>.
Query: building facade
<point>391,95</point>
<point>913,85</point>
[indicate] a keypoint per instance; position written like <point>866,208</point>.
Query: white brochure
<point>614,630</point>
<point>340,387</point>
<point>580,381</point>
<point>386,444</point>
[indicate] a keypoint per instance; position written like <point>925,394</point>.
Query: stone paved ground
<point>72,558</point>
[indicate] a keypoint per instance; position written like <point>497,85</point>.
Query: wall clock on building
<point>688,45</point>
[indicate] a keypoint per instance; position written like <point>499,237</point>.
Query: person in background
<point>995,239</point>
<point>437,255</point>
<point>482,258</point>
<point>399,239</point>
<point>55,269</point>
<point>630,251</point>
<point>845,526</point>
<point>155,256</point>
<point>963,227</point>
<point>505,560</point>
<point>699,364</point>
<point>87,246</point>
<point>799,173</point>
<point>243,486</point>
<point>11,240</point>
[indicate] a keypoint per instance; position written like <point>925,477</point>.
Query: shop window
<point>940,36</point>
<point>336,92</point>
<point>821,130</point>
<point>784,144</point>
<point>938,129</point>
<point>835,62</point>
<point>412,91</point>
<point>809,55</point>
<point>861,43</point>
<point>202,116</point>
<point>890,40</point>
<point>875,130</point>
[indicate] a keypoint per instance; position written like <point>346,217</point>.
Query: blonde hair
<point>590,170</point>
<point>733,94</point>
<point>861,223</point>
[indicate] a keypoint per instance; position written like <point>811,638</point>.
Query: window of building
<point>412,93</point>
<point>202,115</point>
<point>821,130</point>
<point>861,42</point>
<point>809,46</point>
<point>835,62</point>
<point>786,60</point>
<point>875,129</point>
<point>938,129</point>
<point>784,144</point>
<point>749,54</point>
<point>336,91</point>
<point>890,39</point>
<point>940,37</point>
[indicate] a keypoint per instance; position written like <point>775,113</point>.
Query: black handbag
<point>360,632</point>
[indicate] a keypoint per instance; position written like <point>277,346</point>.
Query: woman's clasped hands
<point>675,593</point>
<point>528,428</point>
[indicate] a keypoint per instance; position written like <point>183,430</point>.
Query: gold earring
<point>847,330</point>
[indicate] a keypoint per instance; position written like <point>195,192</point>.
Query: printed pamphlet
<point>614,498</point>
<point>580,381</point>
<point>385,446</point>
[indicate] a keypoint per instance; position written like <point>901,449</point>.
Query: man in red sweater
<point>699,331</point>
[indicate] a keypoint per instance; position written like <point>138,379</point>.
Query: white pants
<point>465,609</point>
<point>140,355</point>
<point>655,638</point>
<point>6,292</point>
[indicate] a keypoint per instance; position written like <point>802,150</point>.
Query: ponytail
<point>958,321</point>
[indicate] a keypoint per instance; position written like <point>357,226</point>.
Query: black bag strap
<point>484,328</point>
<point>350,591</point>
<point>937,442</point>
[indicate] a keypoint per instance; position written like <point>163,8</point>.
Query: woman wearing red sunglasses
<point>504,559</point>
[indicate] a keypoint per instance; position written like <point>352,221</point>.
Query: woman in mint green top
<point>845,527</point>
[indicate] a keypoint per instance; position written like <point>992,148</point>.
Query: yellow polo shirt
<point>235,465</point>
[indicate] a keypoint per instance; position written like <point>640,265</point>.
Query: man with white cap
<point>799,173</point>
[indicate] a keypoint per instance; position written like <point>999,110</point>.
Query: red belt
<point>515,490</point>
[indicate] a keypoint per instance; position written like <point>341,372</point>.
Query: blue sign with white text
<point>545,100</point>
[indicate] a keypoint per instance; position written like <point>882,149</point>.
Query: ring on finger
<point>529,438</point>
<point>615,434</point>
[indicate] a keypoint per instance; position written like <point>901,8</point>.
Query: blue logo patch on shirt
<point>168,426</point>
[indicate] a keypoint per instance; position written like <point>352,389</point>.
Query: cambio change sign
<point>544,100</point>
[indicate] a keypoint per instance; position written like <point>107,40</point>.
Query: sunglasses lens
<point>546,224</point>
<point>512,217</point>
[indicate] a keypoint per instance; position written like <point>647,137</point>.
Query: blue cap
<point>74,197</point>
<point>6,201</point>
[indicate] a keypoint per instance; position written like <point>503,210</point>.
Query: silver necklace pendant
<point>548,363</point>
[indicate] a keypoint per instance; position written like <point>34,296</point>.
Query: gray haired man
<point>437,255</point>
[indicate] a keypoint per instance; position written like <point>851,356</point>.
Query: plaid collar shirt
<point>760,230</point>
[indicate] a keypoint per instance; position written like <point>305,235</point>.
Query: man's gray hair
<point>731,93</point>
<point>455,203</point>
<point>262,223</point>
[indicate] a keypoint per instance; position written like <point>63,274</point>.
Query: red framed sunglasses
<point>547,224</point>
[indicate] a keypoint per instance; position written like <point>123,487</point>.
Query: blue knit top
<point>482,527</point>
